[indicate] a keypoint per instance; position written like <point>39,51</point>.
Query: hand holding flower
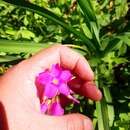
<point>18,92</point>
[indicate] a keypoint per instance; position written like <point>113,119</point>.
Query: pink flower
<point>56,109</point>
<point>54,83</point>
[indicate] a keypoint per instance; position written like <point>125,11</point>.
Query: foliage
<point>100,29</point>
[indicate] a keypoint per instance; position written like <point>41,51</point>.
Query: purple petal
<point>64,89</point>
<point>44,107</point>
<point>72,92</point>
<point>65,75</point>
<point>44,78</point>
<point>72,98</point>
<point>56,109</point>
<point>55,70</point>
<point>50,91</point>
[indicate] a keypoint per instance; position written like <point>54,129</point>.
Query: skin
<point>18,91</point>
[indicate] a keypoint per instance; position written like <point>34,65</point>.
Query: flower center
<point>55,81</point>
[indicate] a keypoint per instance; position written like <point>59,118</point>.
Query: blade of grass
<point>101,109</point>
<point>98,106</point>
<point>87,9</point>
<point>110,108</point>
<point>113,42</point>
<point>50,15</point>
<point>4,59</point>
<point>91,20</point>
<point>99,116</point>
<point>96,32</point>
<point>104,4</point>
<point>17,47</point>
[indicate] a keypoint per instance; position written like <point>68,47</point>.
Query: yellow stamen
<point>55,81</point>
<point>49,102</point>
<point>57,99</point>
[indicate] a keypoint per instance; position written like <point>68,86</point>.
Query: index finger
<point>66,57</point>
<point>77,63</point>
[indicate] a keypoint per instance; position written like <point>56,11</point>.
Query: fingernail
<point>88,125</point>
<point>100,94</point>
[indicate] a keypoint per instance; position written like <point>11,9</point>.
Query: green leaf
<point>101,109</point>
<point>96,31</point>
<point>103,119</point>
<point>87,9</point>
<point>26,22</point>
<point>4,59</point>
<point>50,15</point>
<point>11,32</point>
<point>122,50</point>
<point>86,31</point>
<point>110,108</point>
<point>125,38</point>
<point>104,4</point>
<point>57,11</point>
<point>104,19</point>
<point>116,40</point>
<point>119,60</point>
<point>26,34</point>
<point>99,116</point>
<point>112,43</point>
<point>91,20</point>
<point>96,35</point>
<point>121,8</point>
<point>17,47</point>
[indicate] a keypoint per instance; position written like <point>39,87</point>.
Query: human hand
<point>18,93</point>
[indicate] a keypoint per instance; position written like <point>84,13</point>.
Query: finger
<point>87,89</point>
<point>90,90</point>
<point>66,57</point>
<point>75,62</point>
<point>67,122</point>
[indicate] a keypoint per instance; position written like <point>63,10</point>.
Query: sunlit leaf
<point>17,47</point>
<point>50,15</point>
<point>110,107</point>
<point>4,59</point>
<point>86,31</point>
<point>91,20</point>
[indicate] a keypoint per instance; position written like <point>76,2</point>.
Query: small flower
<point>54,83</point>
<point>56,108</point>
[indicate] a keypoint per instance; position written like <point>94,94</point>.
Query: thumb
<point>68,122</point>
<point>77,122</point>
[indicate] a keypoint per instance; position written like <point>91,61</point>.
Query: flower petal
<point>74,99</point>
<point>44,78</point>
<point>66,75</point>
<point>50,91</point>
<point>64,89</point>
<point>44,107</point>
<point>55,70</point>
<point>56,109</point>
